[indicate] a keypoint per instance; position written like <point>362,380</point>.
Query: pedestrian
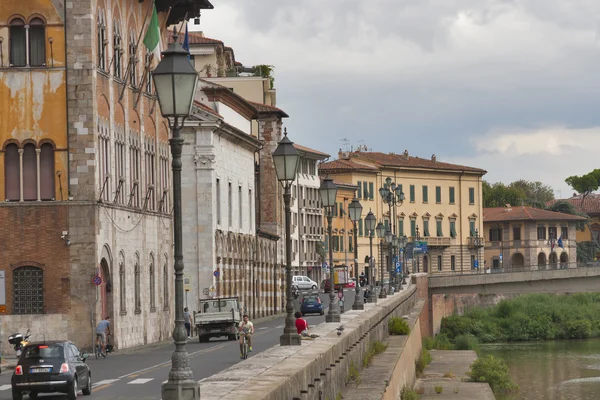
<point>187,321</point>
<point>302,326</point>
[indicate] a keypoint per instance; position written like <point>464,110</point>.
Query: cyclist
<point>102,330</point>
<point>246,328</point>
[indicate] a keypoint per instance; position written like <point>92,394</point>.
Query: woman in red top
<point>301,324</point>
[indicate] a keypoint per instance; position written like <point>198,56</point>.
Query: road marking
<point>104,382</point>
<point>280,326</point>
<point>264,327</point>
<point>140,381</point>
<point>165,381</point>
<point>4,387</point>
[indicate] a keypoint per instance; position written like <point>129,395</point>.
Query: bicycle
<point>99,351</point>
<point>244,349</point>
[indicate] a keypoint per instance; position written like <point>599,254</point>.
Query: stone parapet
<point>318,369</point>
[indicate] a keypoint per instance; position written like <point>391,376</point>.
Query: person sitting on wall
<point>302,327</point>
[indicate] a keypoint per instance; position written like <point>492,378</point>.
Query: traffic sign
<point>340,295</point>
<point>476,264</point>
<point>96,280</point>
<point>397,268</point>
<point>500,257</point>
<point>216,273</point>
<point>212,292</point>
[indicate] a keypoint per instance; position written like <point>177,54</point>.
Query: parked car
<point>49,367</point>
<point>304,282</point>
<point>350,284</point>
<point>311,304</point>
<point>327,286</point>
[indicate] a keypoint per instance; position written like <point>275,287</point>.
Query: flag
<point>186,41</point>
<point>560,242</point>
<point>551,244</point>
<point>152,38</point>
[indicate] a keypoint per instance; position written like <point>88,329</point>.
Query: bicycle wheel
<point>98,349</point>
<point>245,349</point>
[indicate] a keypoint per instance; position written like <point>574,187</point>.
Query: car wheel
<point>72,395</point>
<point>17,395</point>
<point>314,287</point>
<point>202,339</point>
<point>322,312</point>
<point>87,390</point>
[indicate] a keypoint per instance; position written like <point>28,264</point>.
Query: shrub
<point>440,342</point>
<point>466,342</point>
<point>376,348</point>
<point>439,389</point>
<point>494,371</point>
<point>398,326</point>
<point>353,374</point>
<point>423,361</point>
<point>408,394</point>
<point>579,329</point>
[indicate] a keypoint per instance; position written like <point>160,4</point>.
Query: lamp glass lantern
<point>328,192</point>
<point>355,210</point>
<point>395,240</point>
<point>175,80</point>
<point>286,159</point>
<point>370,222</point>
<point>388,236</point>
<point>380,229</point>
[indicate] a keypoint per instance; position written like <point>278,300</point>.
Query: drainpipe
<point>67,102</point>
<point>344,238</point>
<point>461,220</point>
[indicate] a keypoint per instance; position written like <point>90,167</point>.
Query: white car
<point>304,282</point>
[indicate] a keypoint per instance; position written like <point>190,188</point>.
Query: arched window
<point>132,59</point>
<point>28,290</point>
<point>138,300</point>
<point>18,43</point>
<point>30,173</point>
<point>12,173</point>
<point>166,284</point>
<point>152,285</point>
<point>117,50</point>
<point>122,289</point>
<point>37,43</point>
<point>47,172</point>
<point>101,38</point>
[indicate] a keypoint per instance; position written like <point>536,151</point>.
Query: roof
<point>268,109</point>
<point>206,108</point>
<point>311,151</point>
<point>195,38</point>
<point>344,185</point>
<point>589,205</point>
<point>523,213</point>
<point>404,160</point>
<point>344,166</point>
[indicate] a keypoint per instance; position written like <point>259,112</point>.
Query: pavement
<point>139,373</point>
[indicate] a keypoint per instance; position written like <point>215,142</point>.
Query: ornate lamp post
<point>355,212</point>
<point>370,223</point>
<point>285,159</point>
<point>392,195</point>
<point>403,241</point>
<point>388,239</point>
<point>396,252</point>
<point>175,81</point>
<point>328,193</point>
<point>417,239</point>
<point>477,243</point>
<point>381,235</point>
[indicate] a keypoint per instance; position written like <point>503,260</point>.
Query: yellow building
<point>589,205</point>
<point>527,237</point>
<point>342,233</point>
<point>442,206</point>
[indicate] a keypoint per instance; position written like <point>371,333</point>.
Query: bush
<point>408,394</point>
<point>466,342</point>
<point>376,348</point>
<point>494,371</point>
<point>440,342</point>
<point>423,361</point>
<point>398,326</point>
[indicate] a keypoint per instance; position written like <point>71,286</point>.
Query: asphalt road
<point>139,375</point>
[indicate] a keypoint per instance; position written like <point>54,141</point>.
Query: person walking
<point>187,321</point>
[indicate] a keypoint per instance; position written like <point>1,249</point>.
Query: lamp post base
<point>181,390</point>
<point>290,339</point>
<point>333,318</point>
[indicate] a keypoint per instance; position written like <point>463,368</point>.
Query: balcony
<point>434,241</point>
<point>476,242</point>
<point>181,8</point>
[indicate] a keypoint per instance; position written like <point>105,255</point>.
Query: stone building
<point>85,171</point>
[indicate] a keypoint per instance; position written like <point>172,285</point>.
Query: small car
<point>350,284</point>
<point>49,367</point>
<point>311,304</point>
<point>303,282</point>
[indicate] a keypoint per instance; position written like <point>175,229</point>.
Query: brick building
<point>85,172</point>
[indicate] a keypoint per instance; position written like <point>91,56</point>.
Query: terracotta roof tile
<point>206,108</point>
<point>522,213</point>
<point>344,165</point>
<point>195,38</point>
<point>309,150</point>
<point>266,108</point>
<point>590,205</point>
<point>400,160</point>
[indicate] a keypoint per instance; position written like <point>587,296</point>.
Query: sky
<point>510,86</point>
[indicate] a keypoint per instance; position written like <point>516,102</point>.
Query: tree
<point>585,184</point>
<point>518,193</point>
<point>321,252</point>
<point>536,193</point>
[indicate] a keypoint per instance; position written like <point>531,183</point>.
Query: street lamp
<point>396,252</point>
<point>370,223</point>
<point>328,193</point>
<point>175,80</point>
<point>381,235</point>
<point>355,212</point>
<point>477,246</point>
<point>389,237</point>
<point>285,159</point>
<point>417,239</point>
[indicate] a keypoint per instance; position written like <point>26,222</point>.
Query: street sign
<point>216,273</point>
<point>397,268</point>
<point>212,292</point>
<point>187,284</point>
<point>500,257</point>
<point>96,280</point>
<point>420,247</point>
<point>476,263</point>
<point>340,295</point>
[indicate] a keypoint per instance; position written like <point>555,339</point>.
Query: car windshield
<point>310,298</point>
<point>44,351</point>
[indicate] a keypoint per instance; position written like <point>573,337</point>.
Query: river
<point>552,370</point>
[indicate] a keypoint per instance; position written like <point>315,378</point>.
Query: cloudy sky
<point>511,86</point>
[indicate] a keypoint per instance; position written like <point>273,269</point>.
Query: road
<point>139,375</point>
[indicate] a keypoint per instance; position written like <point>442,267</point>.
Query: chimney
<point>433,158</point>
<point>406,154</point>
<point>508,208</point>
<point>340,154</point>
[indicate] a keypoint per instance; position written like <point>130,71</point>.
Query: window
<point>495,234</point>
<point>150,164</point>
<point>326,243</point>
<point>47,172</point>
<point>164,178</point>
<point>426,227</point>
<point>152,284</point>
<point>360,227</point>
<point>452,228</point>
<point>18,45</point>
<point>453,263</point>
<point>250,210</point>
<point>471,195</point>
<point>12,173</point>
<point>117,50</point>
<point>120,146</point>
<point>136,285</point>
<point>37,43</point>
<point>366,190</point>
<point>122,289</point>
<point>350,243</point>
<point>425,195</point>
<point>438,194</point>
<point>472,261</point>
<point>135,161</point>
<point>451,194</point>
<point>401,227</point>
<point>439,263</point>
<point>218,190</point>
<point>541,233</point>
<point>359,194</point>
<point>132,59</point>
<point>342,243</point>
<point>413,228</point>
<point>229,205</point>
<point>102,42</point>
<point>552,232</point>
<point>386,224</point>
<point>336,243</point>
<point>149,87</point>
<point>28,290</point>
<point>472,227</point>
<point>240,216</point>
<point>104,158</point>
<point>438,228</point>
<point>166,285</point>
<point>564,232</point>
<point>341,210</point>
<point>516,233</point>
<point>30,172</point>
<point>412,193</point>
<point>371,191</point>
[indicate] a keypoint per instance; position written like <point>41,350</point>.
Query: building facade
<point>85,171</point>
<point>442,206</point>
<point>527,237</point>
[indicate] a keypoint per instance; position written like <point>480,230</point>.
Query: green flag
<point>152,38</point>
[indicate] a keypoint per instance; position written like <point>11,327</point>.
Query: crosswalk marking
<point>4,387</point>
<point>104,382</point>
<point>139,381</point>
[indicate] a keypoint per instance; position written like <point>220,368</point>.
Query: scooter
<point>19,341</point>
<point>295,292</point>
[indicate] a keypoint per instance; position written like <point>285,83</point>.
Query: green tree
<point>321,252</point>
<point>536,193</point>
<point>498,195</point>
<point>585,184</point>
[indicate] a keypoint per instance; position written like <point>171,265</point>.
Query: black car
<point>51,366</point>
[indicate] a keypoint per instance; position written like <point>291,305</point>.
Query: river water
<point>552,370</point>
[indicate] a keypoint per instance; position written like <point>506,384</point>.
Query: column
<point>21,151</point>
<point>37,160</point>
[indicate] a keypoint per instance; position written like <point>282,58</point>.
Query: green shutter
<point>359,194</point>
<point>472,227</point>
<point>413,228</point>
<point>471,195</point>
<point>453,228</point>
<point>342,243</point>
<point>412,193</point>
<point>426,227</point>
<point>438,194</point>
<point>360,228</point>
<point>438,224</point>
<point>350,244</point>
<point>452,195</point>
<point>342,212</point>
<point>371,190</point>
<point>425,194</point>
<point>401,227</point>
<point>365,190</point>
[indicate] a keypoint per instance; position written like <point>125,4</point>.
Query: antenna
<point>345,143</point>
